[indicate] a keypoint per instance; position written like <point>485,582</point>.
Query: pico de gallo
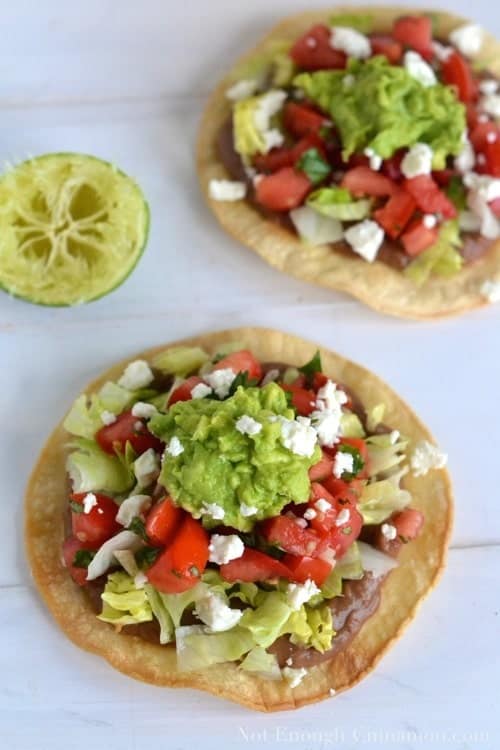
<point>236,509</point>
<point>385,146</point>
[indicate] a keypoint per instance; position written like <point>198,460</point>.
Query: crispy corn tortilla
<point>420,562</point>
<point>376,284</point>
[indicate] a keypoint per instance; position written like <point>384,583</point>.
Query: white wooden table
<point>126,81</point>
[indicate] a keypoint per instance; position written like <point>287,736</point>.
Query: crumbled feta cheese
<point>322,505</point>
<point>136,375</point>
<point>365,239</point>
<point>241,89</point>
<point>491,105</point>
<point>375,159</point>
<point>487,187</point>
<point>429,221</point>
<point>394,437</point>
<point>468,221</point>
<point>343,517</point>
<point>140,580</point>
<point>326,423</point>
<point>488,86</point>
<point>299,593</point>
<point>248,426</point>
<point>350,41</point>
<point>222,548</point>
<point>248,510</point>
<point>214,511</point>
<point>332,692</point>
<point>343,462</point>
<point>270,377</point>
<point>143,410</point>
<point>214,612</point>
<point>269,104</point>
<point>419,69</point>
<point>300,522</point>
<point>174,447</point>
<point>468,39</point>
<point>221,381</point>
<point>147,467</point>
<point>329,397</point>
<point>293,676</point>
<point>226,190</point>
<point>441,51</point>
<point>426,457</point>
<point>201,390</point>
<point>131,508</point>
<point>466,159</point>
<point>490,226</point>
<point>107,417</point>
<point>89,502</point>
<point>298,435</point>
<point>417,161</point>
<point>310,514</point>
<point>491,290</point>
<point>389,531</point>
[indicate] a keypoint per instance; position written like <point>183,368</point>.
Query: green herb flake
<point>76,507</point>
<point>83,558</point>
<point>137,526</point>
<point>146,556</point>
<point>314,365</point>
<point>314,166</point>
<point>357,461</point>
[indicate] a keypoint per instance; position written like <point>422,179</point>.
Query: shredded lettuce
<point>315,228</point>
<point>123,604</point>
<point>90,469</point>
<point>338,203</point>
<point>266,621</point>
<point>349,567</point>
<point>161,614</point>
<point>384,454</point>
<point>350,425</point>
<point>380,500</point>
<point>310,627</point>
<point>197,649</point>
<point>442,258</point>
<point>84,417</point>
<point>181,360</point>
<point>263,663</point>
<point>375,416</point>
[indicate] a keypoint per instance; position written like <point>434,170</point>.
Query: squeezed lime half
<point>72,228</point>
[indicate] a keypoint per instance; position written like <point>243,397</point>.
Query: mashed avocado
<point>381,106</point>
<point>220,465</point>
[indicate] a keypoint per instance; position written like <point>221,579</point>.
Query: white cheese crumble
<point>491,105</point>
<point>429,221</point>
<point>248,426</point>
<point>140,580</point>
<point>426,457</point>
<point>322,505</point>
<point>213,510</point>
<point>221,381</point>
<point>89,502</point>
<point>297,435</point>
<point>489,224</point>
<point>248,510</point>
<point>332,692</point>
<point>107,417</point>
<point>394,437</point>
<point>136,375</point>
<point>417,161</point>
<point>343,462</point>
<point>310,514</point>
<point>487,187</point>
<point>375,159</point>
<point>388,531</point>
<point>226,190</point>
<point>350,41</point>
<point>270,377</point>
<point>490,290</point>
<point>133,507</point>
<point>174,447</point>
<point>466,159</point>
<point>441,51</point>
<point>269,104</point>
<point>329,397</point>
<point>222,548</point>
<point>419,69</point>
<point>214,612</point>
<point>241,89</point>
<point>488,86</point>
<point>468,39</point>
<point>343,517</point>
<point>365,239</point>
<point>293,676</point>
<point>298,594</point>
<point>201,390</point>
<point>147,467</point>
<point>143,410</point>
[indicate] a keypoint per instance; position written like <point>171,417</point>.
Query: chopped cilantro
<point>313,165</point>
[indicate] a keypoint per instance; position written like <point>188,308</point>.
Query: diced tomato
<point>323,520</point>
<point>313,50</point>
<point>319,380</point>
<point>418,237</point>
<point>472,115</point>
<point>492,155</point>
<point>388,47</point>
<point>339,489</point>
<point>179,567</point>
<point>71,546</point>
<point>358,160</point>
<point>408,523</point>
<point>303,400</point>
<point>163,520</point>
<point>253,566</point>
<point>322,469</point>
<point>341,537</point>
<point>283,190</point>
<point>397,212</point>
<point>183,391</point>
<point>291,537</point>
<point>365,181</point>
<point>278,158</point>
<point>414,32</point>
<point>99,524</point>
<point>391,167</point>
<point>127,429</point>
<point>304,568</point>
<point>429,198</point>
<point>301,120</point>
<point>483,131</point>
<point>457,72</point>
<point>443,176</point>
<point>242,361</point>
<point>495,206</point>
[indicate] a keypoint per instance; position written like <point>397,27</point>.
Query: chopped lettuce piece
<point>311,627</point>
<point>84,417</point>
<point>380,500</point>
<point>197,649</point>
<point>375,561</point>
<point>177,604</point>
<point>253,121</point>
<point>348,568</point>
<point>315,228</point>
<point>362,22</point>
<point>181,360</point>
<point>442,258</point>
<point>123,604</point>
<point>290,375</point>
<point>161,613</point>
<point>384,454</point>
<point>91,470</point>
<point>350,425</point>
<point>338,203</point>
<point>266,621</point>
<point>260,661</point>
<point>375,416</point>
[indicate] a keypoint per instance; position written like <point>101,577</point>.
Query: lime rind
<point>72,228</point>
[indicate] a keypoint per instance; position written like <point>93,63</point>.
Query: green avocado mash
<point>219,465</point>
<point>382,107</point>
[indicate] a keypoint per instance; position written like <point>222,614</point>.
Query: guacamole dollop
<point>381,106</point>
<point>216,464</point>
